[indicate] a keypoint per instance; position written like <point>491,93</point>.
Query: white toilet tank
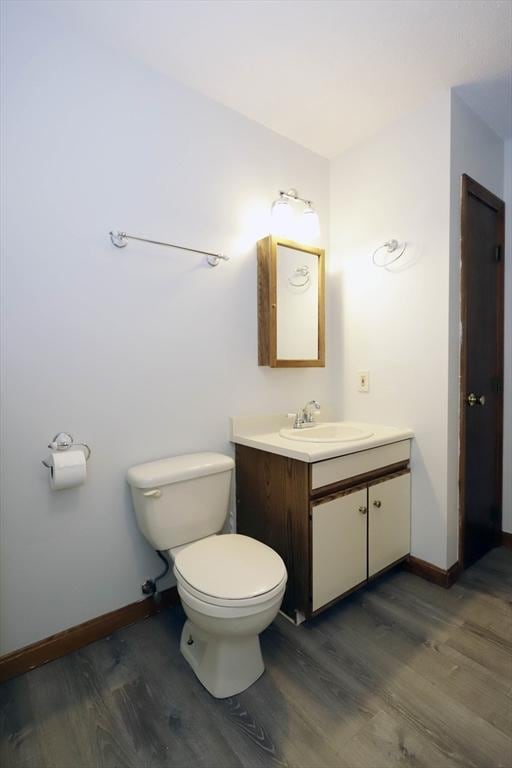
<point>181,499</point>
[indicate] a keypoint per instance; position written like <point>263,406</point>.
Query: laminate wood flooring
<point>402,673</point>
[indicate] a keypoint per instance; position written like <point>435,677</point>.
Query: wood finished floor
<point>403,673</point>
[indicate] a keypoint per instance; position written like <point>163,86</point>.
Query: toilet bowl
<point>231,589</point>
<point>231,586</point>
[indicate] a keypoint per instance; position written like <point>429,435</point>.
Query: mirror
<point>290,304</point>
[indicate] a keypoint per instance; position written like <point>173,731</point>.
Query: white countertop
<point>262,432</point>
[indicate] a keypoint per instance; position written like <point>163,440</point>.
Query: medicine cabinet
<point>291,304</point>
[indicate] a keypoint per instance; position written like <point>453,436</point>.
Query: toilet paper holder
<point>62,442</point>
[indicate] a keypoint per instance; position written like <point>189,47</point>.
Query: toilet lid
<point>231,567</point>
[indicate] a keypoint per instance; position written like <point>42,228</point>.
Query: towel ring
<point>300,277</point>
<point>391,247</point>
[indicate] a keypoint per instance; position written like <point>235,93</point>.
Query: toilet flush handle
<point>155,493</point>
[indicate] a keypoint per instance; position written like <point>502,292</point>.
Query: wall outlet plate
<point>363,381</point>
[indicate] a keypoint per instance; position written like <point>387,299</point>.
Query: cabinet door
<point>339,530</point>
<point>389,522</point>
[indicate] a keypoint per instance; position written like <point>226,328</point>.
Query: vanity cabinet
<point>336,523</point>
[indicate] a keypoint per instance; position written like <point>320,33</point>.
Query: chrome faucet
<point>305,417</point>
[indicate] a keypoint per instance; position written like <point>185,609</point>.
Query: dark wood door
<point>481,407</point>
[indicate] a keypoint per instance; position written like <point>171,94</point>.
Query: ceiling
<point>324,73</point>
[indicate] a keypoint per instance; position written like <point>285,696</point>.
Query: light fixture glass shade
<point>282,216</point>
<point>310,224</point>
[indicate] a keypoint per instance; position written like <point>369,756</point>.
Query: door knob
<point>377,503</point>
<point>473,399</point>
<point>363,510</point>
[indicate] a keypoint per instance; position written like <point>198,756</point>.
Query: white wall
<point>507,442</point>
<point>476,150</point>
<point>143,352</point>
<point>402,324</point>
<point>394,323</point>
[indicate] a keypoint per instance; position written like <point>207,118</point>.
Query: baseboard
<point>432,572</point>
<point>17,662</point>
<point>506,539</point>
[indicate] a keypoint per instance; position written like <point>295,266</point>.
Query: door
<point>389,522</point>
<point>338,531</point>
<point>481,406</point>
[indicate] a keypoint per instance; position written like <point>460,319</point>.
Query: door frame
<point>471,188</point>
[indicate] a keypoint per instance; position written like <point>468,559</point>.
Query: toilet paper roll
<point>67,469</point>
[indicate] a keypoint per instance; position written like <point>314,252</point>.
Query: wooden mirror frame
<point>267,303</point>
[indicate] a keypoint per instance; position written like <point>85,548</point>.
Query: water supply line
<point>149,587</point>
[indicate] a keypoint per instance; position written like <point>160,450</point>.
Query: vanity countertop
<point>263,433</point>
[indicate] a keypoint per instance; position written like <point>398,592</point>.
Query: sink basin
<point>328,432</point>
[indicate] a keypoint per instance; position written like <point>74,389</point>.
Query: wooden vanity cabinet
<point>334,526</point>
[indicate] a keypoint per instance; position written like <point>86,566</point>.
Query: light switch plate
<point>363,381</point>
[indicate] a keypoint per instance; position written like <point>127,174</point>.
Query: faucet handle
<point>298,420</point>
<point>308,410</point>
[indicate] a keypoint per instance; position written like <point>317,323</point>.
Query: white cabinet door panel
<point>339,546</point>
<point>389,522</point>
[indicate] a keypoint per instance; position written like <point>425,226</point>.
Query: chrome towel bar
<point>119,240</point>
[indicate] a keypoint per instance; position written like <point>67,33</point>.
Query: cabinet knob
<point>377,503</point>
<point>363,510</point>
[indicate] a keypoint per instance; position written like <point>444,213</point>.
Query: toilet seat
<point>238,611</point>
<point>184,586</point>
<point>230,571</point>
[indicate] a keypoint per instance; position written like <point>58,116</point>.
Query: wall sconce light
<point>282,214</point>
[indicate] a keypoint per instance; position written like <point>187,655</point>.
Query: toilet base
<point>224,665</point>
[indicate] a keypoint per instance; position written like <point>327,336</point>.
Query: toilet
<point>231,586</point>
